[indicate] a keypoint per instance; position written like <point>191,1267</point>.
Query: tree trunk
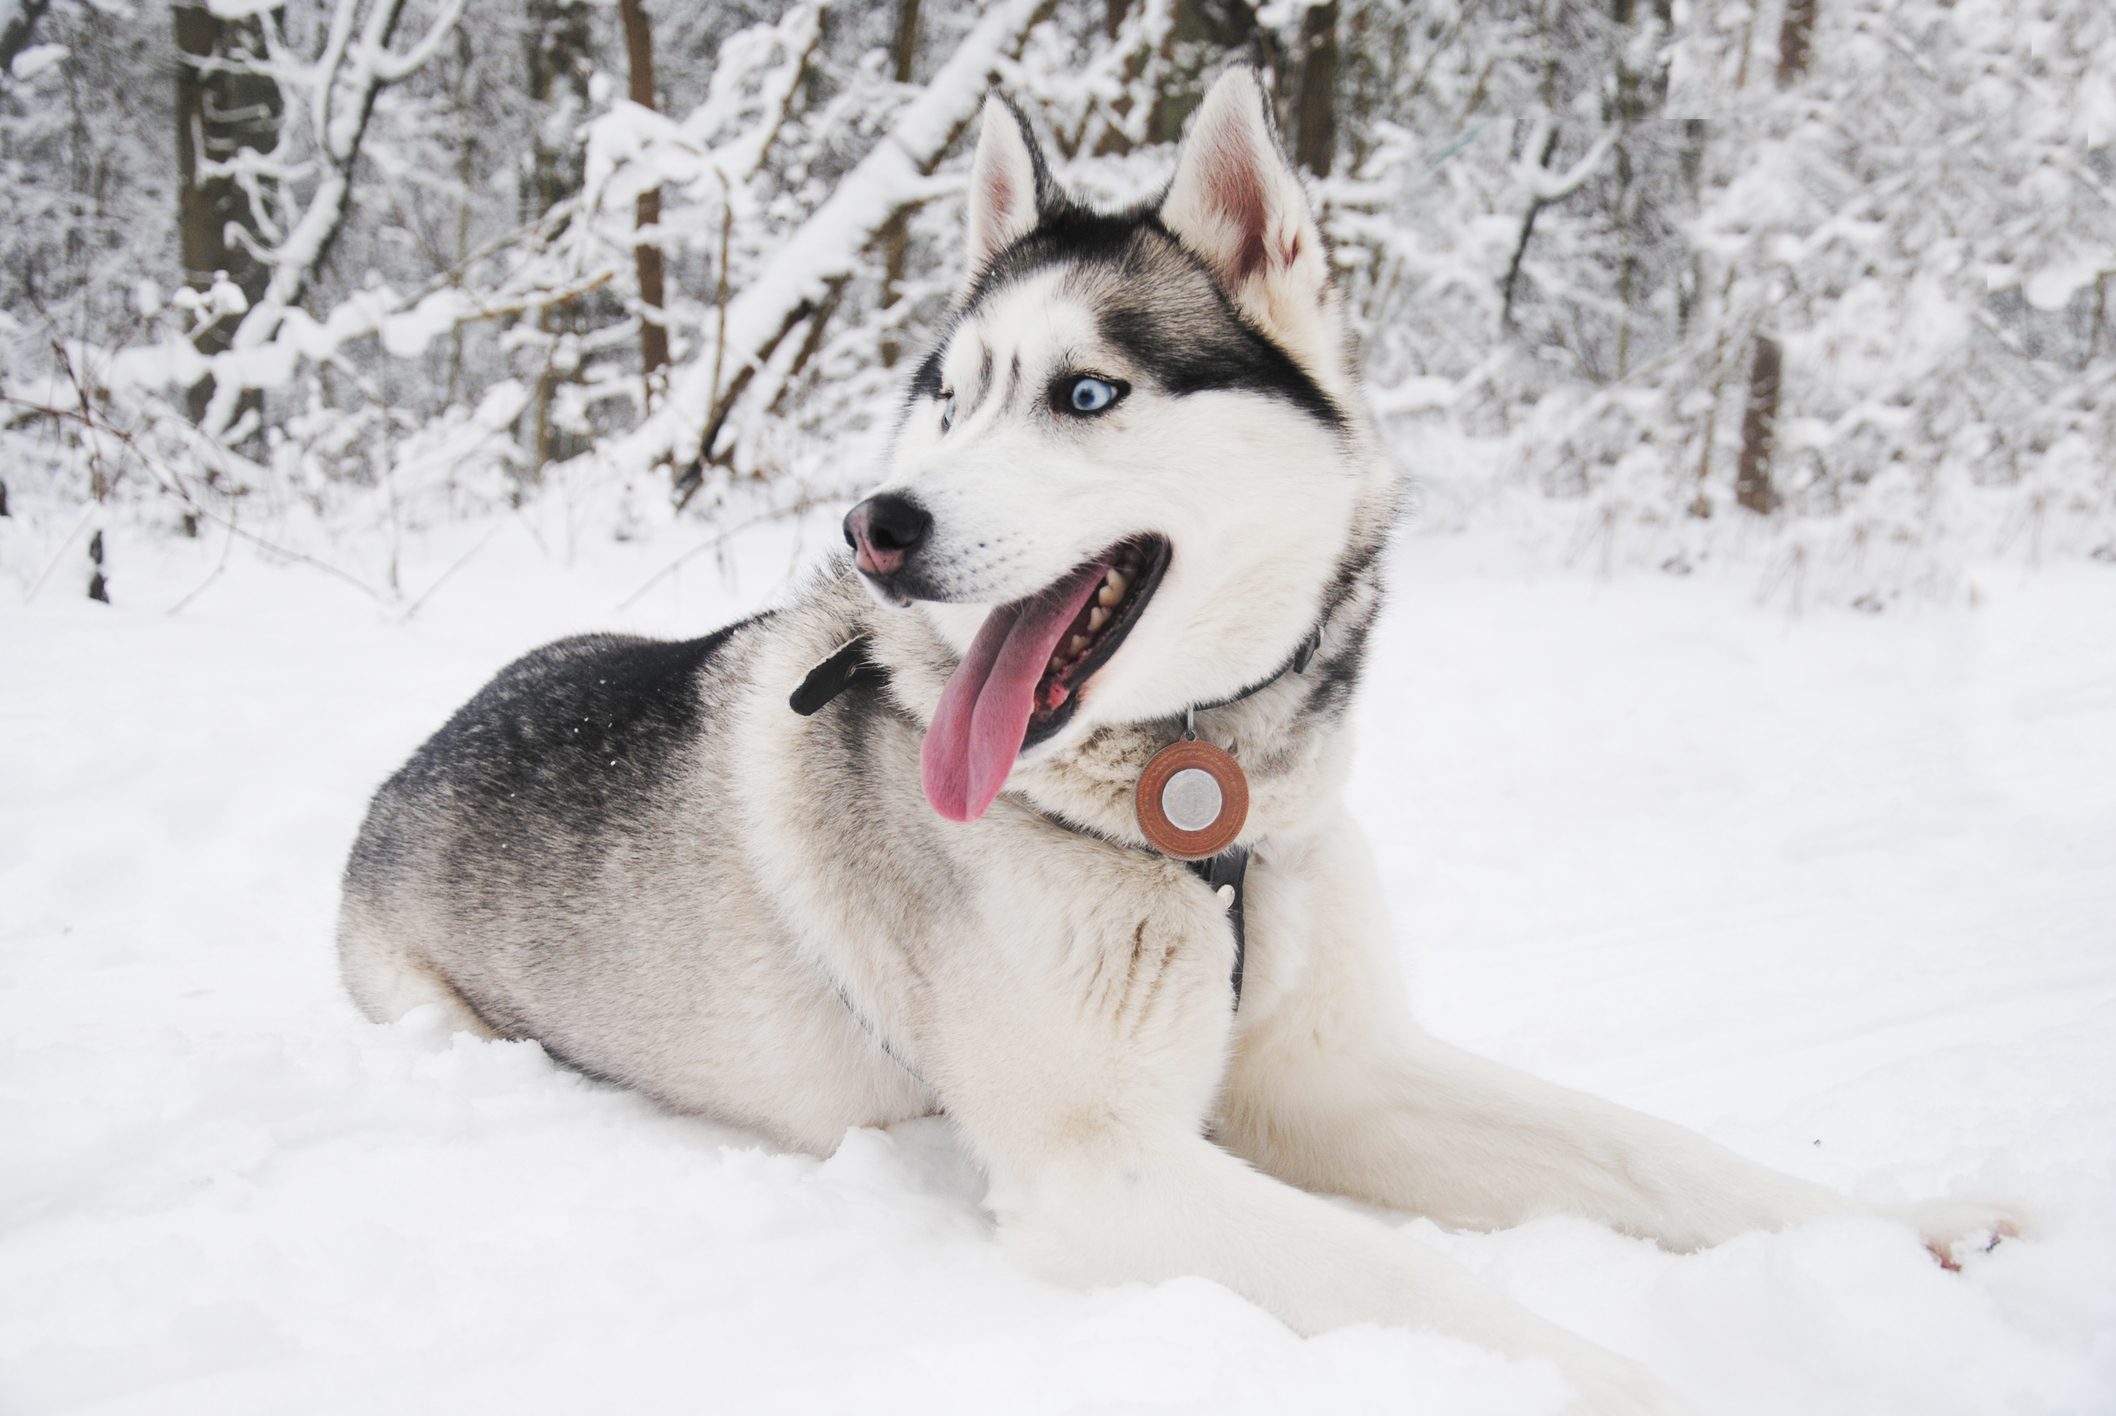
<point>1203,35</point>
<point>561,43</point>
<point>646,252</point>
<point>1759,421</point>
<point>1796,35</point>
<point>561,46</point>
<point>1759,429</point>
<point>1690,167</point>
<point>1315,90</point>
<point>223,108</point>
<point>1112,142</point>
<point>903,53</point>
<point>896,234</point>
<point>1641,94</point>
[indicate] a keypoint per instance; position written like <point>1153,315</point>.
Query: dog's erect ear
<point>1237,202</point>
<point>1008,183</point>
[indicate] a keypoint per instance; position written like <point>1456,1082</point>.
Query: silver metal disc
<point>1191,801</point>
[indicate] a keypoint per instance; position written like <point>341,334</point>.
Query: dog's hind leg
<point>1333,1090</point>
<point>1087,1107</point>
<point>388,979</point>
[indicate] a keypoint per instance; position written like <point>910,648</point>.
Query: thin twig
<point>443,578</point>
<point>212,575</point>
<point>59,554</point>
<point>802,507</point>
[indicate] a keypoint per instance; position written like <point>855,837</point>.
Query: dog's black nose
<point>884,530</point>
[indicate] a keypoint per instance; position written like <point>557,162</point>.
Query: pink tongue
<point>984,711</point>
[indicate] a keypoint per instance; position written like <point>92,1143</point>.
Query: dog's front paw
<point>1953,1229</point>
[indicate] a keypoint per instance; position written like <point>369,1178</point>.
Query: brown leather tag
<point>1191,800</point>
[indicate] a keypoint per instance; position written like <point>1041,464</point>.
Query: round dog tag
<point>1191,800</point>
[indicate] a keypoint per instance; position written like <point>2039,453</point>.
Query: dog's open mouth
<point>1021,678</point>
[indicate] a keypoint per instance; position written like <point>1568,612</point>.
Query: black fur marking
<point>1170,316</point>
<point>1187,355</point>
<point>1068,233</point>
<point>925,381</point>
<point>1339,662</point>
<point>1041,169</point>
<point>1338,677</point>
<point>857,718</point>
<point>579,734</point>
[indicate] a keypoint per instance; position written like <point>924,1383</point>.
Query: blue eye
<point>1087,394</point>
<point>947,411</point>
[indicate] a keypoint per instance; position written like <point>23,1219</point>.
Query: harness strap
<point>1227,869</point>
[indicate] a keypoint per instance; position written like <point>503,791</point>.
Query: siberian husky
<point>1133,500</point>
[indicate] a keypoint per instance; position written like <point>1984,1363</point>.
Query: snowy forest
<point>1818,285</point>
<point>1737,742</point>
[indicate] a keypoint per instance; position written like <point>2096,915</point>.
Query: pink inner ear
<point>999,204</point>
<point>1236,186</point>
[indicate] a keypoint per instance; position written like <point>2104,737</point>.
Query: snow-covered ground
<point>1838,890</point>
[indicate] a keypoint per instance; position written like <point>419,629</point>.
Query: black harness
<point>851,663</point>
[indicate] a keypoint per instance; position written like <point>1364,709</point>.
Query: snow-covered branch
<point>390,68</point>
<point>827,245</point>
<point>1545,186</point>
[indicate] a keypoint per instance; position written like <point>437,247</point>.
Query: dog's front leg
<point>1333,1089</point>
<point>1084,1086</point>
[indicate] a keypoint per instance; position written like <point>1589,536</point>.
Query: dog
<point>885,852</point>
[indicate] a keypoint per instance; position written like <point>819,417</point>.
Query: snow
<point>35,59</point>
<point>1837,890</point>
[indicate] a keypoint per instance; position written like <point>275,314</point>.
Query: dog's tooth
<point>1096,618</point>
<point>1108,596</point>
<point>1079,641</point>
<point>1118,581</point>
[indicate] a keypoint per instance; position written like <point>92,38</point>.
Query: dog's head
<point>1129,468</point>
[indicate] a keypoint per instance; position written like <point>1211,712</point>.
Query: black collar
<point>851,662</point>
